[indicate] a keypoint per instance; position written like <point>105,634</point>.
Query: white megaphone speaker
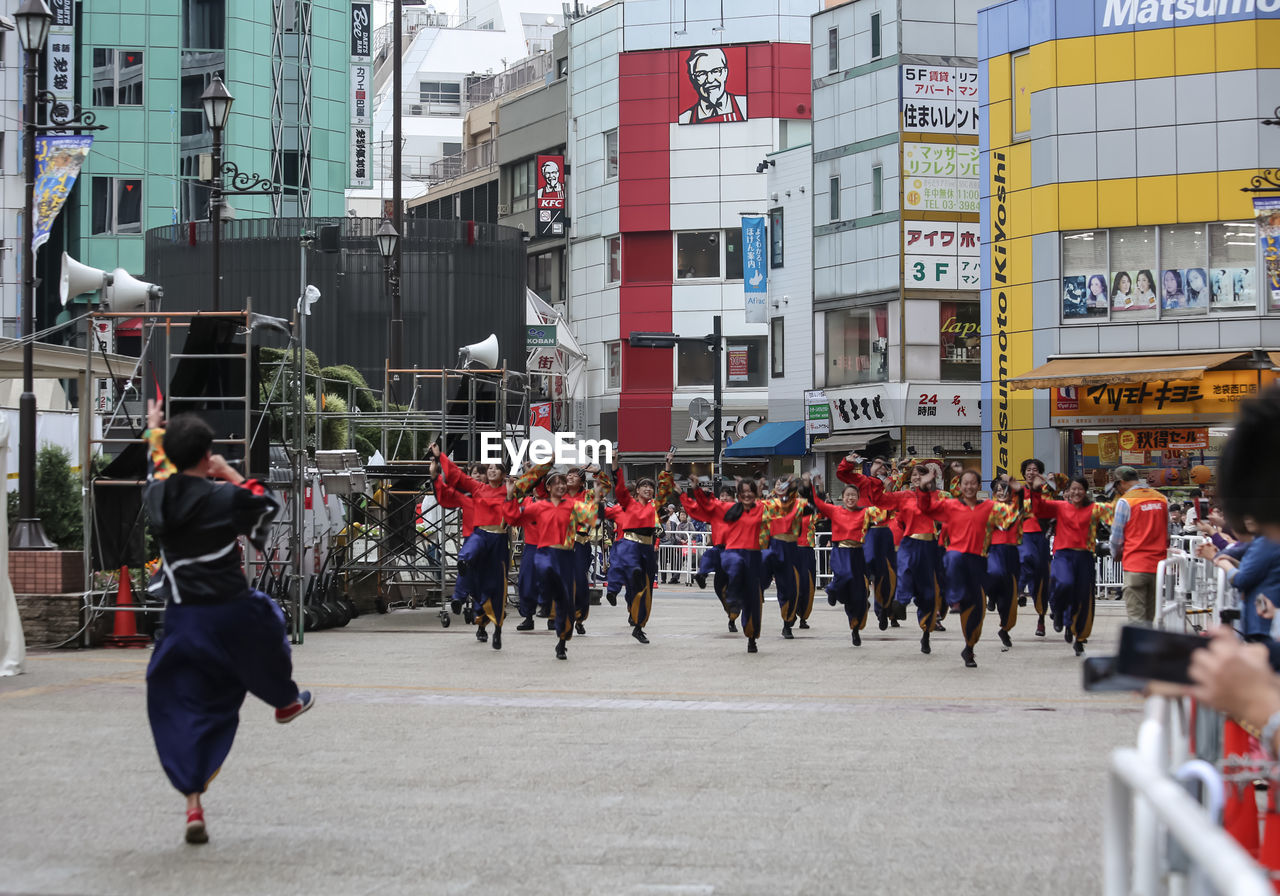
<point>482,354</point>
<point>78,279</point>
<point>128,293</point>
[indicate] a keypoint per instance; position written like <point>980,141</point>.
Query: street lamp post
<point>216,101</point>
<point>33,20</point>
<point>389,248</point>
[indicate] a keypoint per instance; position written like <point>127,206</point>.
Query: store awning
<point>1102,371</point>
<point>785,439</point>
<point>849,441</point>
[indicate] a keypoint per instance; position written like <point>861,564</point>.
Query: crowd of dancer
<point>900,536</point>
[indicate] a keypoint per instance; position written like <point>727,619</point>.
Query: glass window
<point>1021,95</point>
<point>1184,280</point>
<point>776,234</point>
<point>733,254</point>
<point>117,77</point>
<point>698,255</point>
<point>615,259</point>
<point>833,50</point>
<point>877,189</point>
<point>116,205</point>
<point>1084,275</point>
<point>960,340</point>
<point>1232,258</point>
<point>694,364</point>
<point>835,199</point>
<point>448,93</point>
<point>745,360</point>
<point>857,345</point>
<point>777,347</point>
<point>613,365</point>
<point>1133,283</point>
<point>875,35</point>
<point>611,153</point>
<point>524,184</point>
<point>204,24</point>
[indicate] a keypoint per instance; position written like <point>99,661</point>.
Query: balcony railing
<point>481,157</point>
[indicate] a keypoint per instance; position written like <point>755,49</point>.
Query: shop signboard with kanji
<point>942,255</point>
<point>1163,439</point>
<point>939,99</point>
<point>1213,399</point>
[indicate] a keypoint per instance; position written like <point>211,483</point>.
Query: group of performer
<point>897,538</point>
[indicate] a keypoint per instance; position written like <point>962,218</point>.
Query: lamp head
<point>33,19</point>
<point>388,238</point>
<point>216,101</point>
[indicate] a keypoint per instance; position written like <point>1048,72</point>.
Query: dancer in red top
<point>1073,571</point>
<point>710,562</point>
<point>880,547</point>
<point>1033,552</point>
<point>969,524</point>
<point>848,586</point>
<point>917,550</point>
<point>633,562</point>
<point>782,561</point>
<point>805,544</point>
<point>746,523</point>
<point>1002,558</point>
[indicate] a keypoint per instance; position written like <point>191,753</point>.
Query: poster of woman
<point>1172,298</point>
<point>1196,284</point>
<point>1084,296</point>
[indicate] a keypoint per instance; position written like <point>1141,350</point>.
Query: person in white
<point>13,645</point>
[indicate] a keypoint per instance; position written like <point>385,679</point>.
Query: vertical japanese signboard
<point>1267,210</point>
<point>360,98</point>
<point>939,99</point>
<point>755,270</point>
<point>60,57</point>
<point>551,193</point>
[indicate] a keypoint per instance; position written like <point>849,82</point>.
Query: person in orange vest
<point>1139,540</point>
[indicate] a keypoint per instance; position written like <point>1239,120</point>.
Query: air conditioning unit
<point>415,110</point>
<point>504,209</point>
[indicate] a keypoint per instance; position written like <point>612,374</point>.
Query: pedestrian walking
<point>1139,540</point>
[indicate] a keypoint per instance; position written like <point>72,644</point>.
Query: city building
<point>1124,307</point>
<point>895,229</point>
<point>12,189</point>
<point>672,111</point>
<point>448,67</point>
<point>142,68</point>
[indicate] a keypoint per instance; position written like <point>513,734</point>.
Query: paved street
<point>432,764</point>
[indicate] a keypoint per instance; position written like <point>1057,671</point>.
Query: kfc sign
<point>713,86</point>
<point>733,425</point>
<point>551,195</point>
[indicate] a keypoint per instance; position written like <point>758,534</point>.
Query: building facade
<point>895,228</point>
<point>670,118</point>
<point>12,188</point>
<point>1124,309</point>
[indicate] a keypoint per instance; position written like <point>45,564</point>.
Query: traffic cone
<point>1269,853</point>
<point>124,632</point>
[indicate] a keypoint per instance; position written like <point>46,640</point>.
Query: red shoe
<point>196,832</point>
<point>296,708</point>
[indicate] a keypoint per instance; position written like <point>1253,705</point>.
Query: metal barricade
<point>677,561</point>
<point>1108,578</point>
<point>1190,589</point>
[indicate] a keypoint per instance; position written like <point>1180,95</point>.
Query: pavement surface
<point>432,764</point>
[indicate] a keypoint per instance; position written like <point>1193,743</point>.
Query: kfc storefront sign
<point>734,424</point>
<point>551,195</point>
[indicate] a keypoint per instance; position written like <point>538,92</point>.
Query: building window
<point>1021,95</point>
<point>614,244</point>
<point>777,347</point>
<point>695,364</point>
<point>117,77</point>
<point>733,253</point>
<point>698,255</point>
<point>833,50</point>
<point>116,205</point>
<point>875,35</point>
<point>524,185</point>
<point>444,93</point>
<point>857,345</point>
<point>877,189</point>
<point>613,365</point>
<point>744,360</point>
<point>1178,270</point>
<point>776,244</point>
<point>835,199</point>
<point>540,275</point>
<point>204,24</point>
<point>960,340</point>
<point>611,154</point>
<point>562,68</point>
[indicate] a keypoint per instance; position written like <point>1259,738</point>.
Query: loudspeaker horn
<point>128,293</point>
<point>78,279</point>
<point>483,354</point>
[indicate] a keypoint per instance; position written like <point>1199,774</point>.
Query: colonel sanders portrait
<point>709,73</point>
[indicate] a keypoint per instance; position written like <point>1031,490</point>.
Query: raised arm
<point>528,479</point>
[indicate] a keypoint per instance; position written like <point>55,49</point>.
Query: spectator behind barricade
<point>1234,678</point>
<point>1139,540</point>
<point>1252,566</point>
<point>1176,520</point>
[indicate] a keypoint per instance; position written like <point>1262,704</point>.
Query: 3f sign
<point>940,271</point>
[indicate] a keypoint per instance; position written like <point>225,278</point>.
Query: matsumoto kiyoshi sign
<point>1118,15</point>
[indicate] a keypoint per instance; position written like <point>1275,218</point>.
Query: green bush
<point>58,501</point>
<point>364,396</point>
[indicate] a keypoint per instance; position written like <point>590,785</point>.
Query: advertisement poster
<point>737,361</point>
<point>940,194</point>
<point>1267,210</point>
<point>713,86</point>
<point>1160,439</point>
<point>58,161</point>
<point>939,99</point>
<point>755,270</point>
<point>1109,448</point>
<point>551,193</point>
<point>942,254</point>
